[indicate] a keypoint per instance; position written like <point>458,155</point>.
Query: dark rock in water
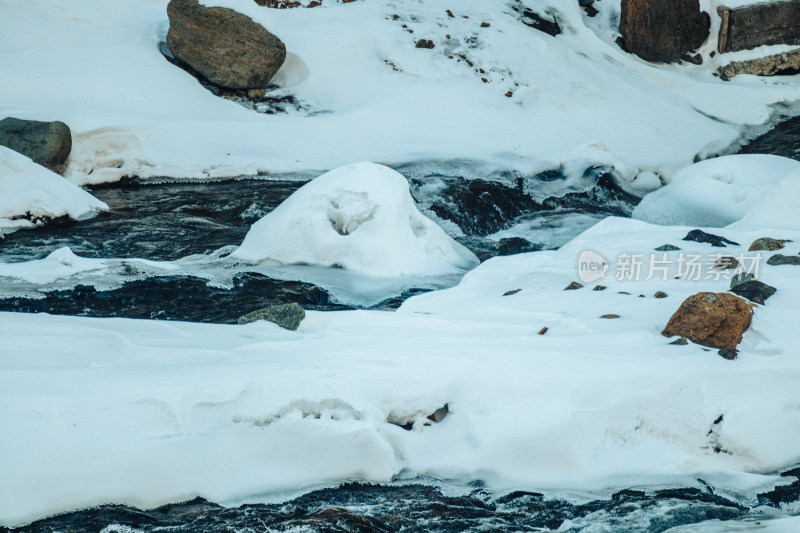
<point>714,320</point>
<point>697,235</point>
<point>390,304</point>
<point>516,245</point>
<point>768,244</point>
<point>535,20</point>
<point>176,298</point>
<point>785,493</point>
<point>753,290</point>
<point>573,286</point>
<point>667,248</point>
<point>782,140</point>
<point>287,316</point>
<point>780,259</point>
<point>663,30</point>
<point>226,47</point>
<point>46,143</point>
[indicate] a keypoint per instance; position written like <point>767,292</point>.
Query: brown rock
<point>763,66</point>
<point>663,30</point>
<point>768,244</point>
<point>227,48</point>
<point>573,286</point>
<point>425,43</point>
<point>716,320</point>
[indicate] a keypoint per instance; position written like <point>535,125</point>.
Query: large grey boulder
<point>226,47</point>
<point>663,30</point>
<point>47,143</point>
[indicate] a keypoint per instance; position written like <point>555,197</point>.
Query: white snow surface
<point>144,412</point>
<point>360,217</point>
<point>719,191</point>
<point>368,94</point>
<point>31,191</point>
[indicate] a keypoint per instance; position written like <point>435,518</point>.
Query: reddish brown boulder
<point>717,320</point>
<point>663,30</point>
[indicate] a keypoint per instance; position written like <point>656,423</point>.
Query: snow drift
<point>715,192</point>
<point>360,217</point>
<point>30,194</point>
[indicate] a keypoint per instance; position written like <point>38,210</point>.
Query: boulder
<point>663,30</point>
<point>767,244</point>
<point>716,320</point>
<point>754,290</point>
<point>287,316</point>
<point>780,259</point>
<point>771,65</point>
<point>46,143</point>
<point>226,47</point>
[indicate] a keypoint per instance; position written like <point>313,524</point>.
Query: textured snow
<point>360,217</point>
<point>31,191</point>
<point>716,192</point>
<point>369,95</point>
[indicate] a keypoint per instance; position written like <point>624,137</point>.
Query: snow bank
<point>144,412</point>
<point>367,93</point>
<point>360,217</point>
<point>716,192</point>
<point>777,207</point>
<point>30,193</point>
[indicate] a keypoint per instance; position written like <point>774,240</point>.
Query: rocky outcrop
<point>663,30</point>
<point>716,320</point>
<point>226,47</point>
<point>47,143</point>
<point>785,62</point>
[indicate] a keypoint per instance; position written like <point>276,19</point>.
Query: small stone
<point>768,244</point>
<point>509,293</point>
<point>439,414</point>
<point>780,259</point>
<point>287,316</point>
<point>728,353</point>
<point>624,292</point>
<point>667,248</point>
<point>585,3</point>
<point>590,11</point>
<point>425,43</point>
<point>713,320</point>
<point>573,286</point>
<point>680,341</point>
<point>697,235</point>
<point>609,316</point>
<point>599,288</point>
<point>485,24</point>
<point>543,330</point>
<point>660,294</point>
<point>754,290</point>
<point>726,262</point>
<point>741,278</point>
<point>509,94</point>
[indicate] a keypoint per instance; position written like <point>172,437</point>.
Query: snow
<point>717,192</point>
<point>239,413</point>
<point>30,193</point>
<point>143,412</point>
<point>360,217</point>
<point>577,99</point>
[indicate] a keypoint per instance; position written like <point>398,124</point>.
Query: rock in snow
<point>360,217</point>
<point>229,49</point>
<point>287,316</point>
<point>47,143</point>
<point>663,30</point>
<point>717,320</point>
<point>30,193</point>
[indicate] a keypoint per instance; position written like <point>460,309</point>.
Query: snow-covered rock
<point>360,217</point>
<point>29,193</point>
<point>715,192</point>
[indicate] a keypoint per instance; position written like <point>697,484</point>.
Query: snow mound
<point>360,217</point>
<point>715,192</point>
<point>30,193</point>
<point>777,207</point>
